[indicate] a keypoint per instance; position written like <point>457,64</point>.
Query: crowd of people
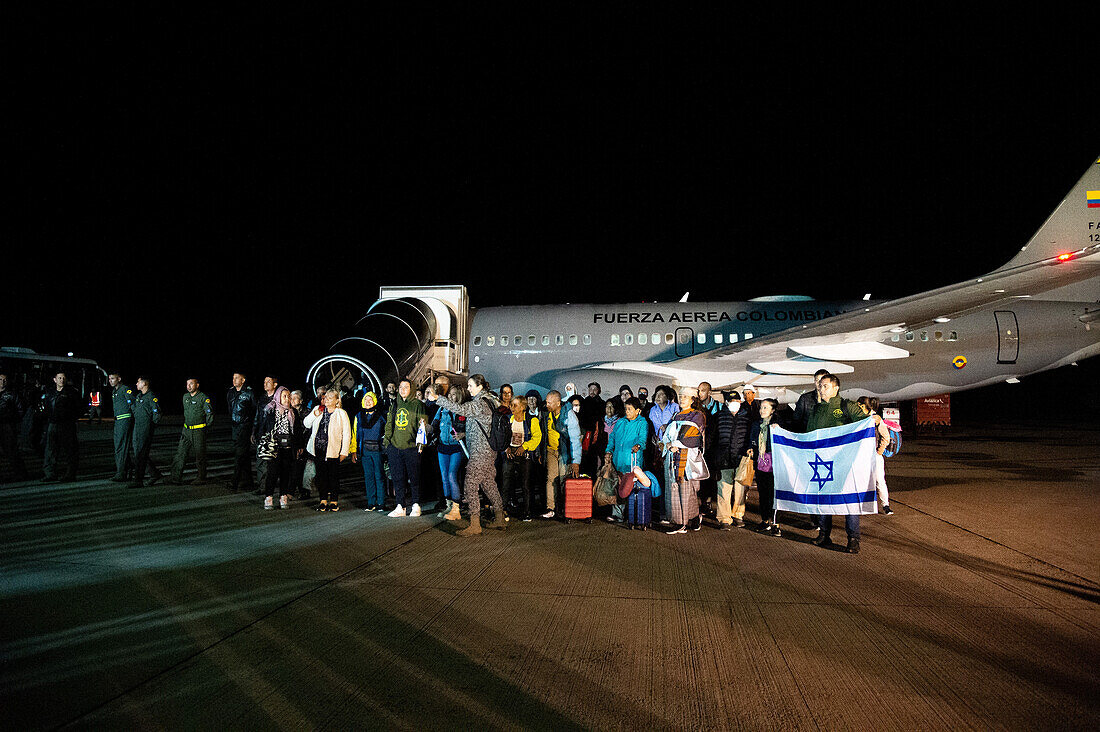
<point>516,451</point>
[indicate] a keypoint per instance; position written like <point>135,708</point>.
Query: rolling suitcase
<point>638,507</point>
<point>578,499</point>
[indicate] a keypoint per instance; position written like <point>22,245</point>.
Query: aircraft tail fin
<point>1072,228</point>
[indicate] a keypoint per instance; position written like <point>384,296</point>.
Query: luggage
<point>638,507</point>
<point>578,499</point>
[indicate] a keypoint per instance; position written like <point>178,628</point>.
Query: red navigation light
<point>1064,257</point>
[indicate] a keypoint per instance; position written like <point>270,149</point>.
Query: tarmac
<point>976,605</point>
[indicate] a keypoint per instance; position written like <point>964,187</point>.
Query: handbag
<point>265,448</point>
<point>764,463</point>
<point>696,468</point>
<point>606,488</point>
<point>746,473</point>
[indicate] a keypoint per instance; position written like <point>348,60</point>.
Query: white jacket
<point>339,433</point>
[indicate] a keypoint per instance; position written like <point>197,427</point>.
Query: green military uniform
<point>122,399</point>
<point>197,415</point>
<point>834,413</point>
<point>146,416</point>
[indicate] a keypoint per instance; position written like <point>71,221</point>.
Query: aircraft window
<point>504,340</point>
<point>656,339</point>
<point>702,338</point>
<point>924,335</point>
<point>669,339</point>
<point>748,336</point>
<point>587,340</point>
<point>530,340</point>
<point>895,338</point>
<point>733,338</point>
<point>518,341</point>
<point>909,336</point>
<point>546,340</point>
<point>614,339</point>
<point>954,336</point>
<point>559,340</point>
<point>491,341</point>
<point>573,339</point>
<point>643,339</point>
<point>477,340</point>
<point>717,337</point>
<point>628,339</point>
<point>939,335</point>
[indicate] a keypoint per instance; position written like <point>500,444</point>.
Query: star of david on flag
<point>827,471</point>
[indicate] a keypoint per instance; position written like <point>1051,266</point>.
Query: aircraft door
<point>1008,336</point>
<point>685,342</point>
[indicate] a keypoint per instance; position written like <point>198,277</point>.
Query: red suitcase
<point>578,499</point>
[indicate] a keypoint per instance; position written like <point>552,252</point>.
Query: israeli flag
<point>827,471</point>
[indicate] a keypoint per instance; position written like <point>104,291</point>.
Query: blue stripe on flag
<point>827,442</point>
<point>825,499</point>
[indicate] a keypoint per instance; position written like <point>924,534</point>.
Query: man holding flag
<point>830,469</point>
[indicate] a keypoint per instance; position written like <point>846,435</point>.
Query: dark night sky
<point>187,183</point>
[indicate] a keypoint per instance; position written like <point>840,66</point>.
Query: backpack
<point>895,443</point>
<point>499,435</point>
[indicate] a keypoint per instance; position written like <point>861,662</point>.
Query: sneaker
<point>415,510</point>
<point>764,527</point>
<point>853,546</point>
<point>371,508</point>
<point>682,529</point>
<point>269,503</point>
<point>725,527</point>
<point>547,515</point>
<point>322,506</point>
<point>774,531</point>
<point>333,505</point>
<point>610,519</point>
<point>698,524</point>
<point>399,511</point>
<point>823,541</point>
<point>886,511</point>
<point>284,501</point>
<point>738,522</point>
<point>665,522</point>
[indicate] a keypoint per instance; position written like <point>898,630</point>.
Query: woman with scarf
<point>366,448</point>
<point>280,438</point>
<point>759,449</point>
<point>683,449</point>
<point>329,443</point>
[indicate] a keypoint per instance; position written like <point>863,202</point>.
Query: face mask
<point>735,407</point>
<point>577,408</point>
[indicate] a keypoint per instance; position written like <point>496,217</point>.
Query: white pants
<point>880,480</point>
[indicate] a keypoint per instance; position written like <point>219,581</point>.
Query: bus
<point>30,374</point>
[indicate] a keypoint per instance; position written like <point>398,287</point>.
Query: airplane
<point>1036,312</point>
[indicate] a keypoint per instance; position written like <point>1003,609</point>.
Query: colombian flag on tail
<point>1093,198</point>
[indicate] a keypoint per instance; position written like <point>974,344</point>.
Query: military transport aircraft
<point>1038,311</point>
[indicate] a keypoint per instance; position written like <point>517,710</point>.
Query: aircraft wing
<point>790,357</point>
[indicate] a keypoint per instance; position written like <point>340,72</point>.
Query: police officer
<point>146,416</point>
<point>242,415</point>
<point>62,408</point>
<point>197,416</point>
<point>122,400</point>
<point>11,415</point>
